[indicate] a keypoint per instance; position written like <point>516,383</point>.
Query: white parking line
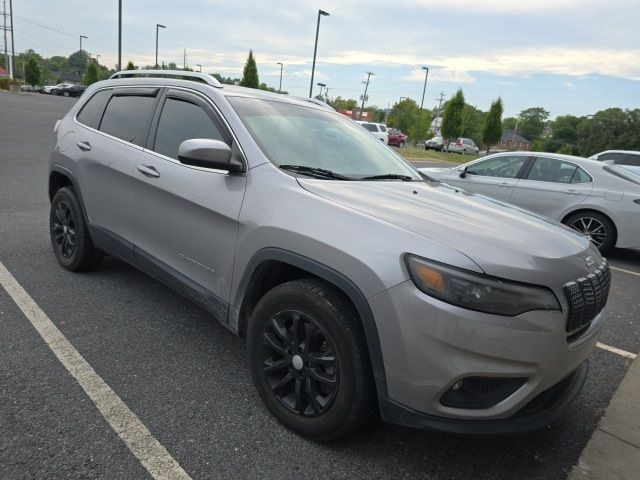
<point>625,271</point>
<point>153,456</point>
<point>617,351</point>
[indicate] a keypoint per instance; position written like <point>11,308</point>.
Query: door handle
<point>84,146</point>
<point>148,171</point>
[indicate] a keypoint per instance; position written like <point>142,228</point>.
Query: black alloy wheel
<point>596,226</point>
<point>300,363</point>
<point>64,229</point>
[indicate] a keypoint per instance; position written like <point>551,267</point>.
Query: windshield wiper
<point>389,176</point>
<point>315,172</point>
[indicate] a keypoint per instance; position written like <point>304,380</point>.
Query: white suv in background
<point>379,130</point>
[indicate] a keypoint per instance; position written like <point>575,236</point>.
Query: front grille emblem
<point>589,261</point>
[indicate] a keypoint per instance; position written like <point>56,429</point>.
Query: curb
<point>613,452</point>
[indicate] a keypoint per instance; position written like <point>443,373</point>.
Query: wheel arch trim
<point>328,274</point>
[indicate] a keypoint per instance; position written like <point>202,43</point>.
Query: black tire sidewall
<point>341,411</point>
<point>610,241</point>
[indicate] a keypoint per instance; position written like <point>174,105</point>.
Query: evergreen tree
<point>250,73</point>
<point>32,72</point>
<point>91,75</point>
<point>492,126</point>
<point>130,66</point>
<point>452,117</point>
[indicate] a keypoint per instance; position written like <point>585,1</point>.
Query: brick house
<point>513,141</point>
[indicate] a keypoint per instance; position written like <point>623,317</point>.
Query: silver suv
<point>359,283</point>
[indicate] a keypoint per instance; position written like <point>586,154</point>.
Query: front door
<point>187,217</point>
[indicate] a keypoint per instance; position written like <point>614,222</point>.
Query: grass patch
<point>413,153</point>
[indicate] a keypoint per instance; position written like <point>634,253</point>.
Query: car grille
<point>587,297</point>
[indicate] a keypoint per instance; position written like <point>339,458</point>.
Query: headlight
<point>479,292</point>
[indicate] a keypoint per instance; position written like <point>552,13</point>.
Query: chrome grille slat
<point>587,297</point>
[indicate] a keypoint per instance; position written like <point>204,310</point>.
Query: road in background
<point>185,376</point>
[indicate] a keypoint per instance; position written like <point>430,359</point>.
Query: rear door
<point>187,217</point>
<point>114,125</point>
<point>494,177</point>
<point>552,186</point>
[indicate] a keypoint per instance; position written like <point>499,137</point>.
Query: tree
<point>91,75</point>
<point>564,133</point>
<point>532,122</point>
<point>172,66</point>
<point>78,61</point>
<point>130,66</point>
<point>509,123</point>
<point>32,72</point>
<point>472,120</point>
<point>492,125</point>
<point>250,73</point>
<point>404,116</point>
<point>452,117</point>
<point>344,104</point>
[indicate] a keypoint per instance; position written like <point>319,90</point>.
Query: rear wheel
<point>309,361</point>
<point>597,227</point>
<point>70,238</point>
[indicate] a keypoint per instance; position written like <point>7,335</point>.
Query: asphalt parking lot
<point>185,376</point>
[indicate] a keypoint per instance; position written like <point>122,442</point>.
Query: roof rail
<point>176,74</point>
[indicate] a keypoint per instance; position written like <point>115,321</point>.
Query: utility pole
<point>440,100</point>
<point>513,137</point>
<point>6,55</point>
<point>280,87</point>
<point>12,64</point>
<point>424,89</point>
<point>119,35</point>
<point>184,60</point>
<point>366,87</point>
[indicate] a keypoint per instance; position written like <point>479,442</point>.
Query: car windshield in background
<point>294,135</point>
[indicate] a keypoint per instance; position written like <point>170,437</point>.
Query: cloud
<point>307,73</point>
<point>569,84</point>
<point>440,74</point>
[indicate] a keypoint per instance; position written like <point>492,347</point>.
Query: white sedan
<point>598,199</point>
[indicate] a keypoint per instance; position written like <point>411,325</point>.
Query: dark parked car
<point>436,143</point>
<point>69,91</point>
<point>396,138</point>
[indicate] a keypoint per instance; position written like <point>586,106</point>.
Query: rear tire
<point>309,361</point>
<point>65,94</point>
<point>70,238</point>
<point>598,227</point>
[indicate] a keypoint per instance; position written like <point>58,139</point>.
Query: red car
<point>396,138</point>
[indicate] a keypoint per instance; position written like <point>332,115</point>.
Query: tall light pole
<point>280,87</point>
<point>200,69</point>
<point>424,89</point>
<point>321,85</point>
<point>158,26</point>
<point>366,87</point>
<point>119,35</point>
<point>81,37</point>
<point>98,59</point>
<point>321,13</point>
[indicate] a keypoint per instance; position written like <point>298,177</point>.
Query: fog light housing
<point>480,392</point>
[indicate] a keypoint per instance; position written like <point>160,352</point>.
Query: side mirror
<point>463,172</point>
<point>207,153</point>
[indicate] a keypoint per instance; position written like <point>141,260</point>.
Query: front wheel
<point>309,361</point>
<point>65,94</point>
<point>597,227</point>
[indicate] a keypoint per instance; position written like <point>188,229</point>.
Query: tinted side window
<point>580,176</point>
<point>370,126</point>
<point>128,117</point>
<point>382,128</point>
<point>615,156</point>
<point>631,159</point>
<point>504,167</point>
<point>92,110</point>
<point>552,170</point>
<point>181,120</point>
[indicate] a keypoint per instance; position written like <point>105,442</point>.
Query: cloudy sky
<point>569,56</point>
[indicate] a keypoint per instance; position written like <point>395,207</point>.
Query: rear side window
<point>182,120</point>
<point>617,157</point>
<point>552,170</point>
<point>370,126</point>
<point>383,128</point>
<point>127,117</point>
<point>92,110</point>
<point>631,159</point>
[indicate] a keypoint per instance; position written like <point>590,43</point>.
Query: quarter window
<point>92,110</point>
<point>580,176</point>
<point>182,120</point>
<point>552,170</point>
<point>503,167</point>
<point>127,117</point>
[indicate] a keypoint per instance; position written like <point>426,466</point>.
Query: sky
<point>568,56</point>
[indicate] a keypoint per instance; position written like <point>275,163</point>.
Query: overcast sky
<point>569,56</point>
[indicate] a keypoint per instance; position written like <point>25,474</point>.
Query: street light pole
<point>158,26</point>
<point>366,87</point>
<point>198,65</point>
<point>119,35</point>
<point>321,13</point>
<point>280,87</point>
<point>98,59</point>
<point>81,37</point>
<point>424,89</point>
<point>321,85</point>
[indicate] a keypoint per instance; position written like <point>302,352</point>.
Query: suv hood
<point>502,239</point>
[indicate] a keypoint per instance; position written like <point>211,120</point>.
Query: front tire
<point>597,227</point>
<point>309,361</point>
<point>70,238</point>
<point>65,94</point>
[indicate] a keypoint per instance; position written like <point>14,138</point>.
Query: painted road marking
<point>153,456</point>
<point>617,351</point>
<point>625,271</point>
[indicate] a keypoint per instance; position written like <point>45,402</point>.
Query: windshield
<point>293,135</point>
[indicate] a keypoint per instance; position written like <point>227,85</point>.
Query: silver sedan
<point>595,198</point>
